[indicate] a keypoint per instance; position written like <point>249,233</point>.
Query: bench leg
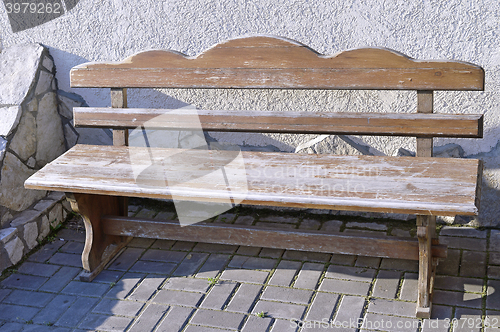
<point>427,266</point>
<point>99,248</point>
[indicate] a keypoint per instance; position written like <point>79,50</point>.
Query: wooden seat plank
<point>391,124</point>
<point>427,186</point>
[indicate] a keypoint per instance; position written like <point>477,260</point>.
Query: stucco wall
<point>96,30</point>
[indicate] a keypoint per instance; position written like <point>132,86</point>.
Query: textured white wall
<point>99,30</point>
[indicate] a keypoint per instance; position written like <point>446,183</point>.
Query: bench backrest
<point>277,63</point>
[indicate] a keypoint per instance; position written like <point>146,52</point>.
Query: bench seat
<point>424,186</point>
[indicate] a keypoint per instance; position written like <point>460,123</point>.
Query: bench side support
<point>99,248</point>
<point>426,225</point>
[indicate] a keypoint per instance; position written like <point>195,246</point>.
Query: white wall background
<point>110,30</point>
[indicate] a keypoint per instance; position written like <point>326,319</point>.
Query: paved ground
<point>183,286</point>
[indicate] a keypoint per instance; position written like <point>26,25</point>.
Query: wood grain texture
<point>390,124</point>
<point>426,186</point>
<point>304,240</point>
<point>273,62</point>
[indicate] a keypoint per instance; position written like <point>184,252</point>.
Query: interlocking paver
<point>126,259</point>
<point>190,264</point>
<point>470,300</point>
<point>463,243</point>
<point>284,273</point>
<point>282,325</point>
<point>282,294</point>
<point>215,248</point>
<point>4,292</point>
<point>72,247</point>
<point>242,275</point>
<point>493,298</point>
<point>310,224</point>
<point>149,318</point>
<point>386,284</point>
<point>118,307</point>
<point>23,297</point>
<point>349,310</point>
<point>345,287</point>
<point>280,310</point>
<point>163,244</point>
<point>140,242</point>
<point>44,253</point>
<point>366,225</point>
<point>218,295</point>
<point>212,266</point>
<point>62,258</point>
<point>146,288</point>
<point>254,324</point>
<point>306,256</point>
<point>389,323</point>
<point>37,269</point>
<point>108,276</point>
<point>350,273</point>
<point>343,259</point>
<point>164,256</point>
<point>85,288</point>
<point>410,287</point>
<point>399,264</point>
<point>288,220</point>
<point>459,284</point>
<point>187,284</point>
<point>322,307</point>
<point>332,225</point>
<point>451,264</point>
<point>271,252</point>
<point>183,245</point>
<point>106,323</point>
<point>153,267</point>
<point>244,298</point>
<point>392,307</point>
<point>220,319</point>
<point>11,312</point>
<point>473,264</point>
<point>469,320</point>
<point>76,311</point>
<point>309,275</point>
<point>364,261</point>
<point>180,298</point>
<point>462,231</point>
<point>176,318</point>
<point>24,281</point>
<point>53,310</point>
<point>125,285</point>
<point>248,251</point>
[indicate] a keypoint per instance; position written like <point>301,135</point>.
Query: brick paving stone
<point>451,264</point>
<point>176,318</point>
<point>61,258</point>
<point>322,307</point>
<point>343,259</point>
<point>242,275</point>
<point>281,325</point>
<point>139,242</point>
<point>493,295</point>
<point>146,213</point>
<point>215,248</point>
<point>76,311</point>
<point>344,287</point>
<point>310,224</point>
<point>12,327</point>
<point>494,240</point>
<point>244,220</point>
<point>38,269</point>
<point>275,225</point>
<point>183,245</point>
<point>440,320</point>
<point>4,292</point>
<point>493,272</point>
<point>85,288</point>
<point>190,264</point>
<point>279,310</point>
<point>469,320</point>
<point>237,261</point>
<point>291,295</point>
<point>254,324</point>
<point>108,276</point>
<point>124,286</point>
<point>106,323</point>
<point>306,256</point>
<point>332,225</point>
<point>271,252</point>
<point>227,218</point>
<point>459,284</point>
<point>71,235</point>
<point>259,263</point>
<point>24,281</point>
<point>198,328</point>
<point>153,267</point>
<point>212,266</point>
<point>218,295</point>
<point>350,273</point>
<point>146,288</point>
<point>72,247</point>
<point>118,307</point>
<point>187,284</point>
<point>393,307</point>
<point>46,251</point>
<point>364,261</point>
<point>163,256</point>
<point>367,225</point>
<point>390,323</point>
<point>10,312</point>
<point>244,298</point>
<point>284,273</point>
<point>399,264</point>
<point>463,243</point>
<point>409,288</point>
<point>43,328</point>
<point>149,318</point>
<point>163,244</point>
<point>248,251</point>
<point>463,231</point>
<point>180,298</point>
<point>386,284</point>
<point>278,219</point>
<point>473,264</point>
<point>220,319</point>
<point>349,311</point>
<point>492,319</point>
<point>126,259</point>
<point>53,310</point>
<point>23,297</point>
<point>457,298</point>
<point>309,276</point>
<point>59,280</point>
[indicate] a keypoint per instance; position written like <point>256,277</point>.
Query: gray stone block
<point>345,287</point>
<point>187,284</point>
<point>322,307</point>
<point>290,295</point>
<point>106,323</point>
<point>279,310</point>
<point>309,276</point>
<point>7,234</point>
<point>218,319</point>
<point>244,298</point>
<point>149,318</point>
<point>175,320</point>
<point>242,275</point>
<point>53,310</point>
<point>285,273</point>
<point>24,297</point>
<point>218,295</point>
<point>118,307</point>
<point>386,284</point>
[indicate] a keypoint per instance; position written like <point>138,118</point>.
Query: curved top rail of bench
<point>279,63</point>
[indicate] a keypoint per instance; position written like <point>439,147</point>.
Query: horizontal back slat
<point>270,62</point>
<point>391,124</point>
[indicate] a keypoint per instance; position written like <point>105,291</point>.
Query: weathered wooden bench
<point>100,178</point>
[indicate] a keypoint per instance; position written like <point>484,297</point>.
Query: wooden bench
<point>100,178</point>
